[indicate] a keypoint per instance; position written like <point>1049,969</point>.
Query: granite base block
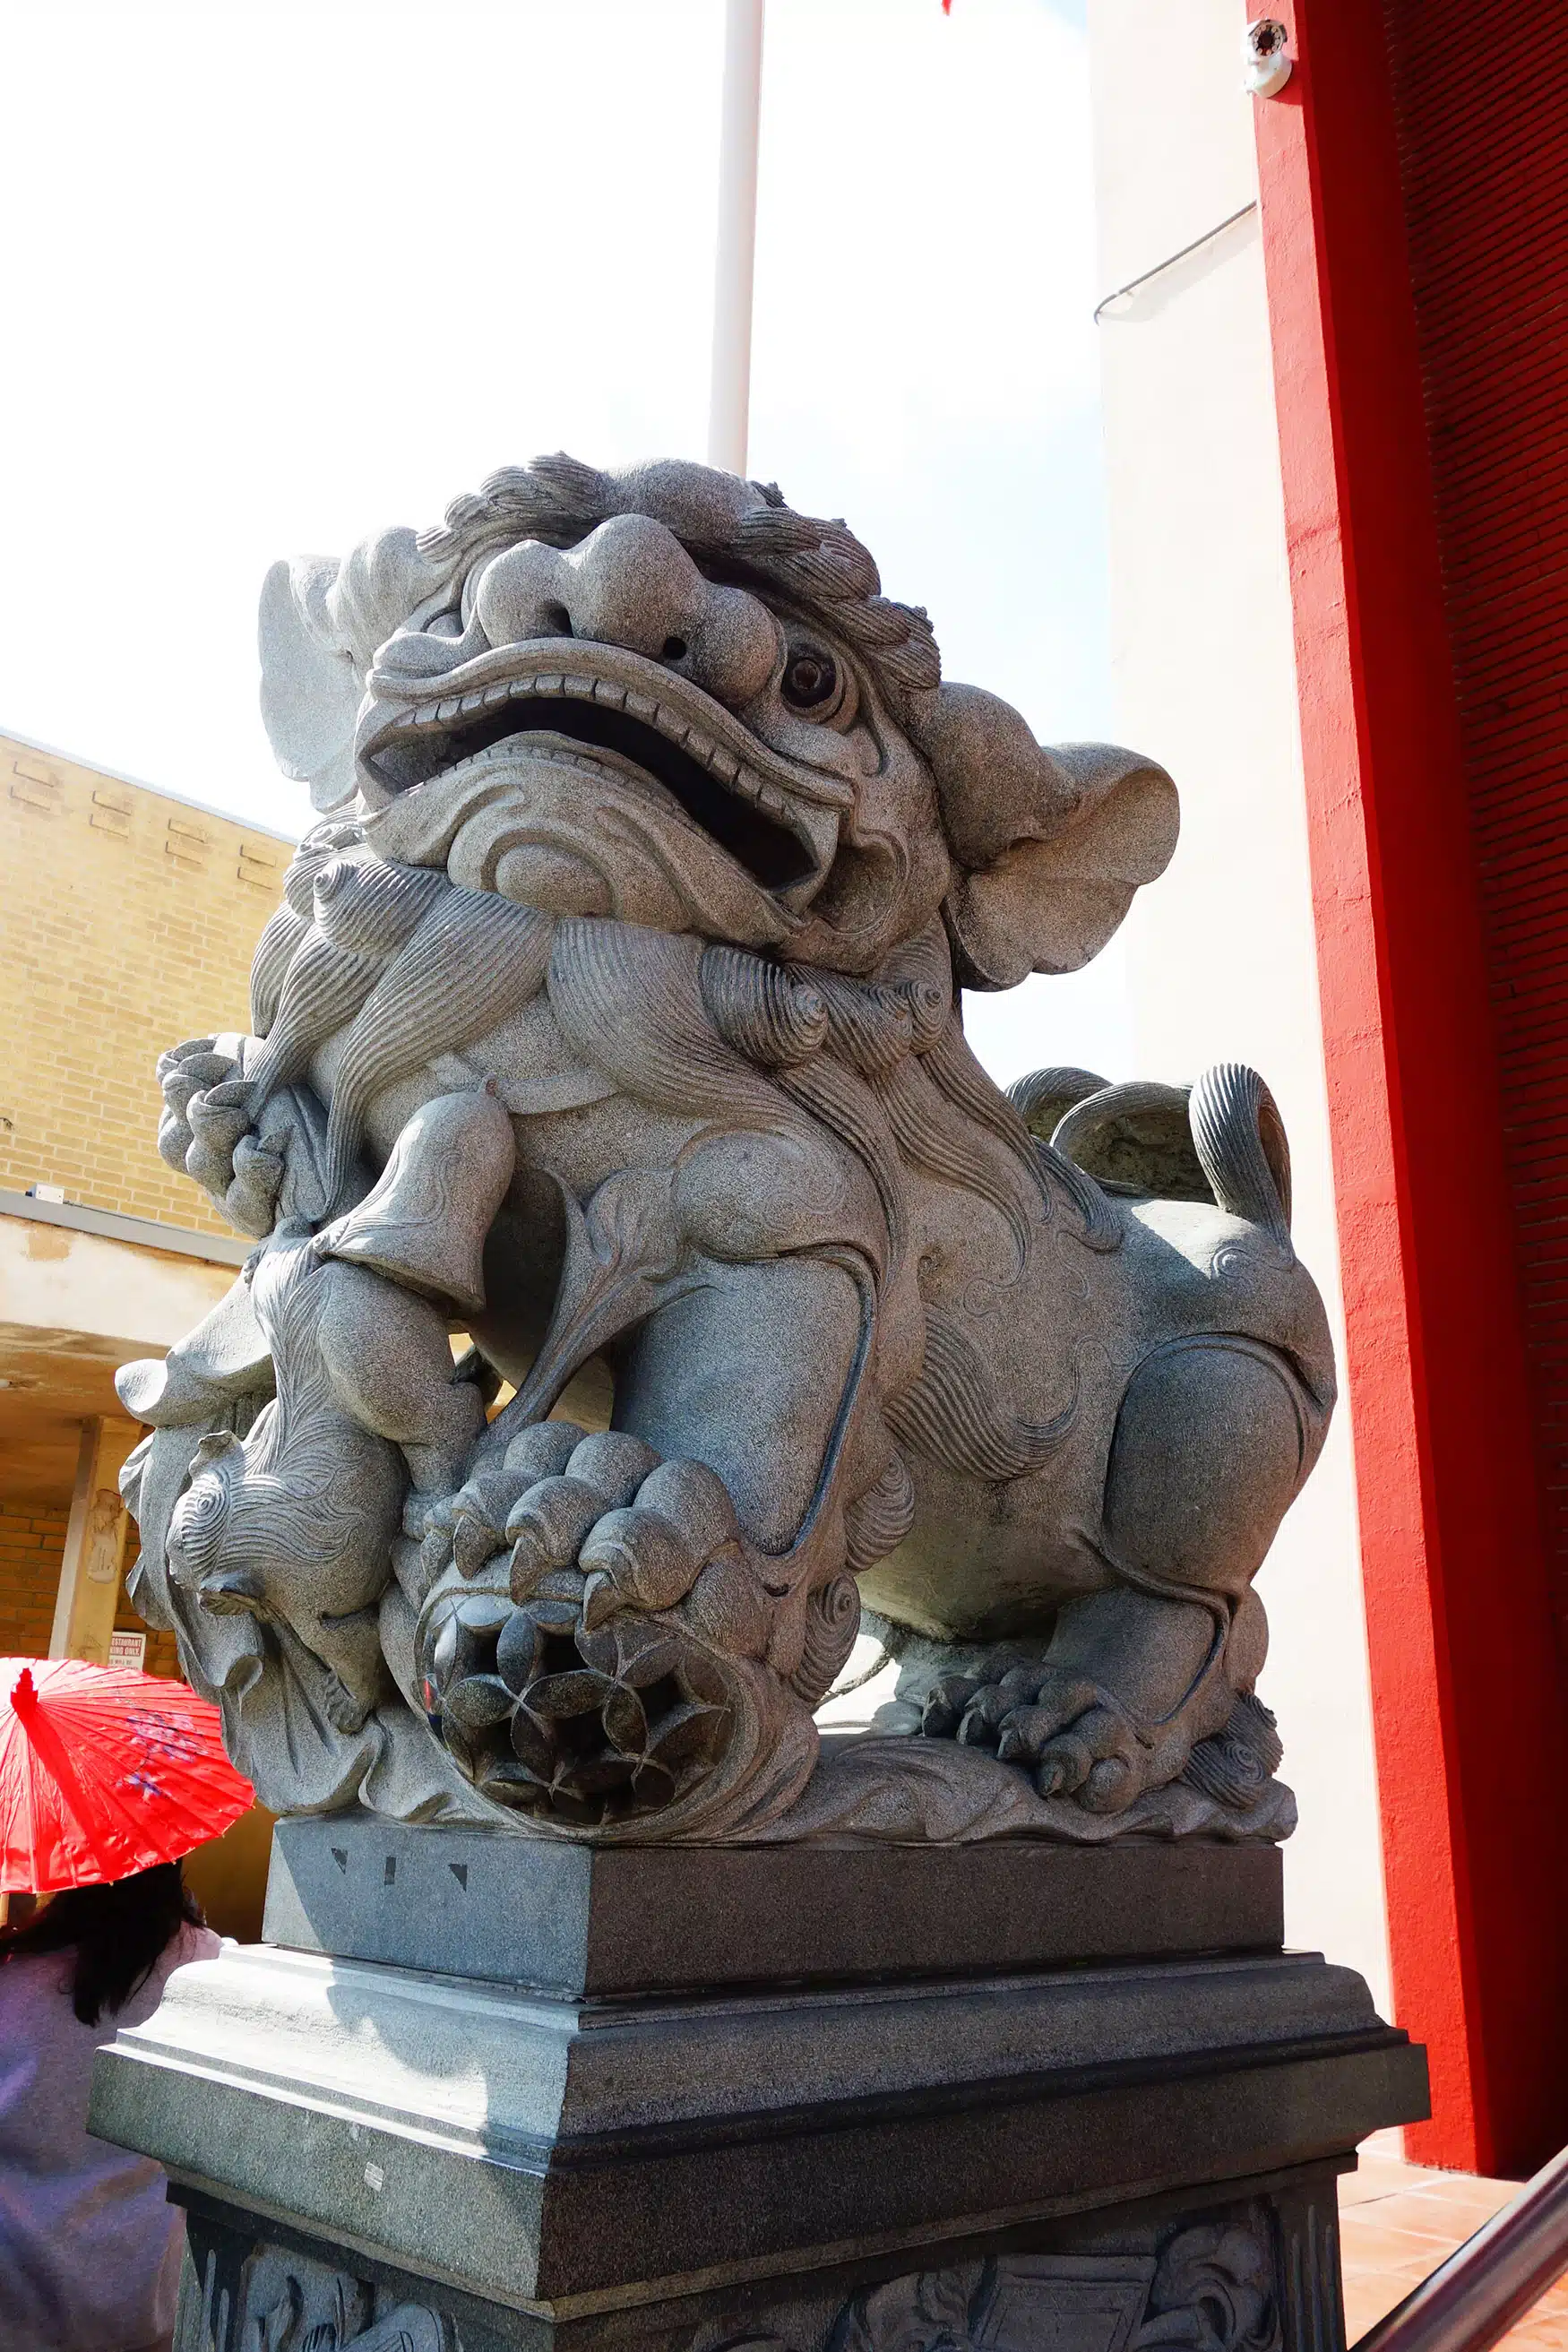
<point>620,1919</point>
<point>846,2135</point>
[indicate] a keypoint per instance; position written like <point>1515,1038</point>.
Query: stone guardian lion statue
<point>611,1019</point>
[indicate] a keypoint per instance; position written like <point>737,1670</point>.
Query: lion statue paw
<point>1131,1684</point>
<point>240,1153</point>
<point>1078,1738</point>
<point>572,1649</point>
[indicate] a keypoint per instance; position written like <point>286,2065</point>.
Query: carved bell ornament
<point>423,1223</point>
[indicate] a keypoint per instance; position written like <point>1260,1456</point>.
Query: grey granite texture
<point>613,1016</point>
<point>548,2151</point>
<point>602,1921</point>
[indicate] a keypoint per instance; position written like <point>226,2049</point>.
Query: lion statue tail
<point>1220,1140</point>
<point>1239,1139</point>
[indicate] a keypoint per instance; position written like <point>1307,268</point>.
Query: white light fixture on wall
<point>1266,48</point>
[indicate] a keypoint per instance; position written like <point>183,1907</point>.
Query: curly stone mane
<point>819,567</point>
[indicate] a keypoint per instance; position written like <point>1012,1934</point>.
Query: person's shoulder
<point>24,1976</point>
<point>189,1943</point>
<point>194,1943</point>
<point>36,2009</point>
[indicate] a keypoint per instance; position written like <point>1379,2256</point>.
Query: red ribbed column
<point>1468,1705</point>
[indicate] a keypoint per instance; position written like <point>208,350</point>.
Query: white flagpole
<point>731,395</point>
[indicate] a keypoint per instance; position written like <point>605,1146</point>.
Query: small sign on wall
<point>128,1650</point>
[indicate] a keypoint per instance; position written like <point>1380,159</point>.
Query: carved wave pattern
<point>933,1137</point>
<point>953,1416</point>
<point>473,961</point>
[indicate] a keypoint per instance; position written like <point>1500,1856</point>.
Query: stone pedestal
<point>478,2091</point>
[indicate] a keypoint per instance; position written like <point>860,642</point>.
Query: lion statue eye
<point>810,678</point>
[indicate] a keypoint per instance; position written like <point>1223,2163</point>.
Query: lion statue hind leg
<point>1211,1441</point>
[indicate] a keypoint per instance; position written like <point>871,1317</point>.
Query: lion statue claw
<point>612,1020</point>
<point>565,1635</point>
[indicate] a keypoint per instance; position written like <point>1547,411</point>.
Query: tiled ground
<point>1397,2223</point>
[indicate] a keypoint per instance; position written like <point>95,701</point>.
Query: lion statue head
<point>663,696</point>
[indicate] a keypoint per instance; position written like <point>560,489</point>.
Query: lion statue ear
<point>1049,843</point>
<point>320,623</point>
<point>309,686</point>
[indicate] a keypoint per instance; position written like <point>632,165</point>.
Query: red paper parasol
<point>104,1771</point>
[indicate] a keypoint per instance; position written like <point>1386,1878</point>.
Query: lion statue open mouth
<point>611,1018</point>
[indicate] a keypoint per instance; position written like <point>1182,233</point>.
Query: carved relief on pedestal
<point>276,2301</point>
<point>1211,2289</point>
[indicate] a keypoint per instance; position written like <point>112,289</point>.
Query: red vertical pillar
<point>1468,1708</point>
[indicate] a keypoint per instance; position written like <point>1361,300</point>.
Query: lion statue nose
<point>630,582</point>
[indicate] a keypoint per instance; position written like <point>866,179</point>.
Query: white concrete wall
<point>76,1294</point>
<point>1220,954</point>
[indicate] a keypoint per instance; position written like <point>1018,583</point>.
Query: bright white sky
<point>282,274</point>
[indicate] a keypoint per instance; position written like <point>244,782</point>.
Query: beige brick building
<point>127,921</point>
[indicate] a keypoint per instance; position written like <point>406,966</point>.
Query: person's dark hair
<point>117,1931</point>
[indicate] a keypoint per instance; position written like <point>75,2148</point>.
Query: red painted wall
<point>1483,148</point>
<point>1467,1708</point>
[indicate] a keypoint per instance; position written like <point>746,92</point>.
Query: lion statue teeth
<point>612,1017</point>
